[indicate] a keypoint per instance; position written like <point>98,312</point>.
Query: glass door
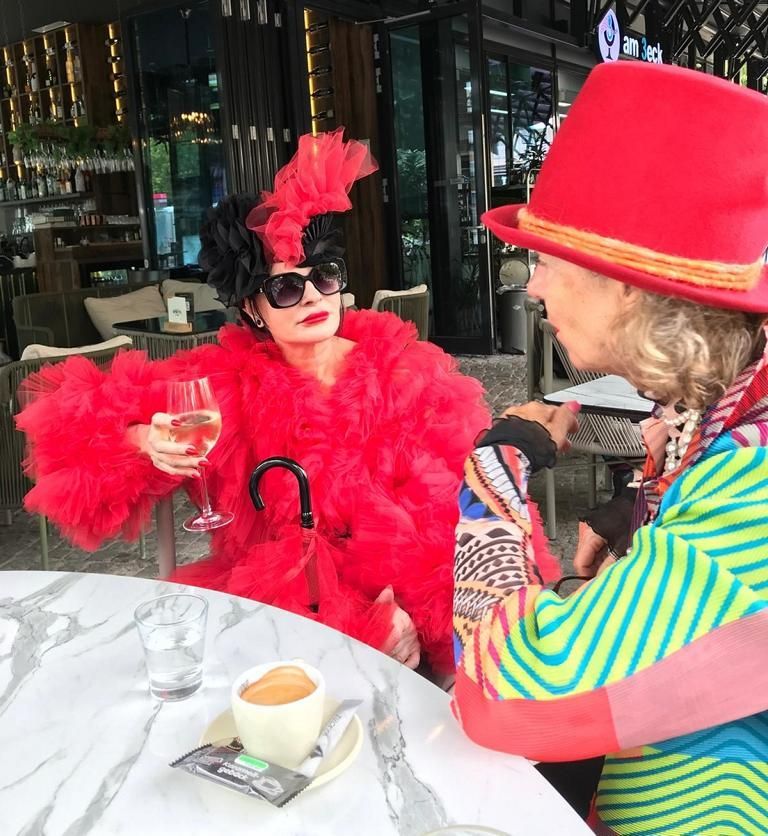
<point>441,191</point>
<point>179,125</point>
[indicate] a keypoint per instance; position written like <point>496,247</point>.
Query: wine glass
<point>197,423</point>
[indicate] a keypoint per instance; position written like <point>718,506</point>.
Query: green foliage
<point>74,141</point>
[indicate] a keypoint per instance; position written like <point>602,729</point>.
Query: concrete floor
<point>504,380</point>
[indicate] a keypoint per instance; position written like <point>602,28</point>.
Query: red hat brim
<point>503,223</point>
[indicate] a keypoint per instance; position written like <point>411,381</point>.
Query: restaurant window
<point>521,120</point>
<point>179,123</point>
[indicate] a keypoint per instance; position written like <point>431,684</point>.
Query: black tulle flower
<point>231,253</point>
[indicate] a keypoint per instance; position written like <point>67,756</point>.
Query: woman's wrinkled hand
<point>558,421</point>
<point>172,457</point>
<point>592,553</point>
<point>403,642</point>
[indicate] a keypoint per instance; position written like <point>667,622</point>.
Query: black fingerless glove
<point>529,437</point>
<point>613,520</point>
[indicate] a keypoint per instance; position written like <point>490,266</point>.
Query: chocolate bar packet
<point>229,765</point>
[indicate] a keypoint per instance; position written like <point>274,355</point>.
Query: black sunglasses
<point>287,289</point>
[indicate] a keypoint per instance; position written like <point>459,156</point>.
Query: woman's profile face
<point>582,306</point>
<point>314,319</point>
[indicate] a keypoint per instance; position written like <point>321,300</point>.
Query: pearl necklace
<point>679,440</point>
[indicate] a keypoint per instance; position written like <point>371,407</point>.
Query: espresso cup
<point>285,733</point>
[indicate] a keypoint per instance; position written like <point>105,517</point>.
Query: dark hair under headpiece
<point>231,253</point>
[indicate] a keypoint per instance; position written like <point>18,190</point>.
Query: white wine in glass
<point>197,423</point>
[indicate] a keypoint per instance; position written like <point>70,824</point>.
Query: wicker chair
<point>412,307</point>
<point>14,484</point>
<point>598,435</point>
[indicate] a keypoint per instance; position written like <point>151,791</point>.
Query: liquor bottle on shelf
<point>33,187</point>
<point>11,189</point>
<point>79,180</point>
<point>35,113</point>
<point>22,191</point>
<point>50,183</point>
<point>34,81</point>
<point>69,68</point>
<point>27,82</point>
<point>58,108</point>
<point>78,108</point>
<point>319,71</point>
<point>42,184</point>
<point>50,77</point>
<point>77,66</point>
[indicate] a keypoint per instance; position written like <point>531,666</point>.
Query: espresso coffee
<point>287,683</point>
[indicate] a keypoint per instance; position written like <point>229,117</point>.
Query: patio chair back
<point>411,307</point>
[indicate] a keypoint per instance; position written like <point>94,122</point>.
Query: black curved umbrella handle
<point>307,520</point>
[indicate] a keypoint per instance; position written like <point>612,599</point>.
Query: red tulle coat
<point>384,449</point>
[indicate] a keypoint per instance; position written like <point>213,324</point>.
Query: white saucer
<point>222,729</point>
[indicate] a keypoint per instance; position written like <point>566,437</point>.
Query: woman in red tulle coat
<point>381,422</point>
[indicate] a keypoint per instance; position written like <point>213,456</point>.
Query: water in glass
<point>172,630</point>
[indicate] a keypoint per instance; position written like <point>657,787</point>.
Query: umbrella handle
<point>307,520</point>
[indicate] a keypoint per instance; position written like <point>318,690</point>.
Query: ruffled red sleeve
<point>88,479</point>
<point>410,529</point>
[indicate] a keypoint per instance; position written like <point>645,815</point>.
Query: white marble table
<point>84,749</point>
<point>608,395</point>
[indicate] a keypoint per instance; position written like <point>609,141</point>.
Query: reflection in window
<point>521,119</point>
<point>411,151</point>
<point>180,126</point>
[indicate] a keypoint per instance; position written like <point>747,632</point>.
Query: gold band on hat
<point>698,272</point>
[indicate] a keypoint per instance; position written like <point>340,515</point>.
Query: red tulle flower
<point>316,181</point>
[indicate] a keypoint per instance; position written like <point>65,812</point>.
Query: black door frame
<point>485,342</point>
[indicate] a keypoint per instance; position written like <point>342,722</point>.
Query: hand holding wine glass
<point>196,424</point>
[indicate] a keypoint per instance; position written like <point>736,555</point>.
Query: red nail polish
<point>191,451</point>
<point>203,463</point>
<point>574,406</point>
<point>175,422</point>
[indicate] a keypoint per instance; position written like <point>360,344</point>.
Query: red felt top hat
<point>658,178</point>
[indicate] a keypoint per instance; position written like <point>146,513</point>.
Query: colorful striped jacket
<point>661,662</point>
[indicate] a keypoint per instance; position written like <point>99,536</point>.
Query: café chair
<point>14,485</point>
<point>411,305</point>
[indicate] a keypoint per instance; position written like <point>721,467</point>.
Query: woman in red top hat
<point>380,421</point>
<point>650,216</point>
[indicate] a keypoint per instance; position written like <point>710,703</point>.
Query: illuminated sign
<point>611,43</point>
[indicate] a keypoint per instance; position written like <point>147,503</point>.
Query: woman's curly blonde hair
<point>684,352</point>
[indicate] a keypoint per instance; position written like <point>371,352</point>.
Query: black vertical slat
<point>139,129</point>
<point>220,38</point>
<point>241,73</point>
<point>259,113</point>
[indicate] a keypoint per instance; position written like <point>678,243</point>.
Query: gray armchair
<point>410,305</point>
<point>14,485</point>
<point>60,318</point>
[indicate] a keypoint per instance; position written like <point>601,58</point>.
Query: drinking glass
<point>197,423</point>
<point>172,630</point>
